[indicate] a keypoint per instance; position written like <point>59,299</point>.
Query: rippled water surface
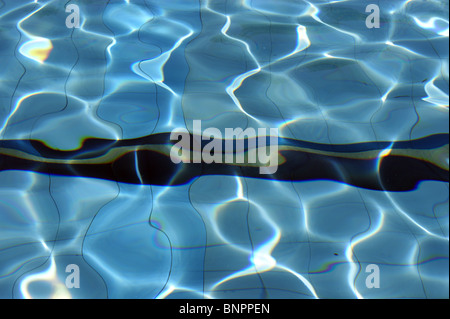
<point>86,180</point>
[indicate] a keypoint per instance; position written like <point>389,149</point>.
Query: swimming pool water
<point>362,117</point>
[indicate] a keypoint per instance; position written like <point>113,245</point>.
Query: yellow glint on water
<point>59,290</point>
<point>38,49</point>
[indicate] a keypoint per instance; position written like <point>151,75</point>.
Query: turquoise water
<point>365,182</point>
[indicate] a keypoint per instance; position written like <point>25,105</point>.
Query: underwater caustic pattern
<point>92,206</point>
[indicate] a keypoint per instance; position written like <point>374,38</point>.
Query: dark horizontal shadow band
<point>302,161</point>
<point>93,147</point>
